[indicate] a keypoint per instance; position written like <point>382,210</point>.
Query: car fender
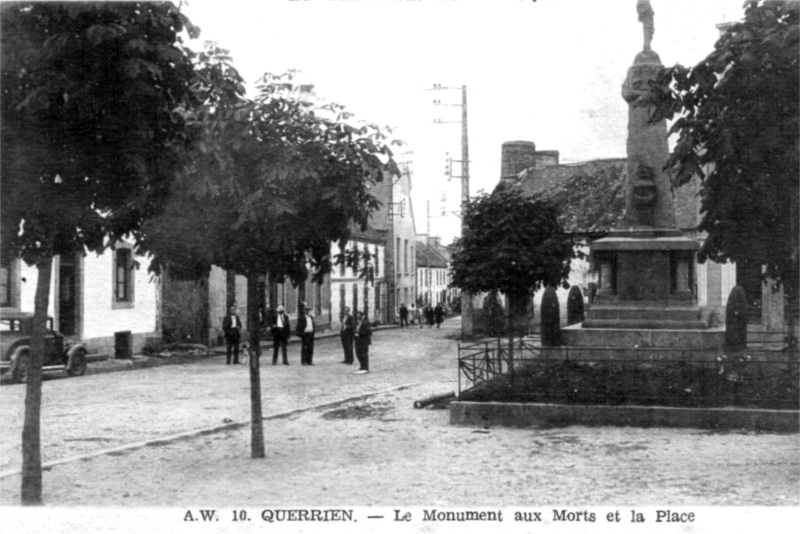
<point>15,356</point>
<point>72,350</point>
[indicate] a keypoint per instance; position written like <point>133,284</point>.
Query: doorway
<point>68,301</point>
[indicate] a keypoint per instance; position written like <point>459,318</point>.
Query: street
<point>98,412</point>
<point>374,449</point>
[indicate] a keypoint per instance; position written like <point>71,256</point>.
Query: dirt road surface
<point>374,452</point>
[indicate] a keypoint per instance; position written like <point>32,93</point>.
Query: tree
<point>274,184</point>
<point>738,131</point>
<point>91,139</point>
<point>512,244</point>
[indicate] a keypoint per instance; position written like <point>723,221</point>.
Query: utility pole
<point>467,312</point>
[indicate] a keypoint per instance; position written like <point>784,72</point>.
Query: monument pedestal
<point>645,296</point>
<point>645,282</point>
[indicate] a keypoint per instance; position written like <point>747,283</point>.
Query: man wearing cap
<point>347,333</point>
<point>363,341</point>
<point>305,331</point>
<point>281,330</point>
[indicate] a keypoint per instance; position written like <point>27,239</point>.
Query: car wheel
<point>22,367</point>
<point>78,366</point>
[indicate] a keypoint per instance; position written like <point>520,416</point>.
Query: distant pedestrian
<point>429,315</point>
<point>281,330</point>
<point>363,341</point>
<point>418,316</point>
<point>412,314</point>
<point>438,314</point>
<point>347,333</point>
<point>231,326</point>
<point>403,315</point>
<point>305,331</point>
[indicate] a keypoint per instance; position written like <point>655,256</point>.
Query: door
<point>67,295</point>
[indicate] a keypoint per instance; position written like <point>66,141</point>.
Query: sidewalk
<point>141,361</point>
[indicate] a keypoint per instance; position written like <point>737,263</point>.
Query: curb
<point>549,415</point>
<point>166,440</point>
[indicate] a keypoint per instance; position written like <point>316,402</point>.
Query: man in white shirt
<point>231,325</point>
<point>305,331</point>
<point>281,330</point>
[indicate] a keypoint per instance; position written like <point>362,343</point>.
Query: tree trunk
<point>31,435</point>
<point>254,327</point>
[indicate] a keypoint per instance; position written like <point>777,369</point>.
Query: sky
<point>547,71</point>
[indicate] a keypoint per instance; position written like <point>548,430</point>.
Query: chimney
<point>516,157</point>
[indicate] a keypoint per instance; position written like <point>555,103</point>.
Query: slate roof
<point>428,257</point>
<point>591,195</point>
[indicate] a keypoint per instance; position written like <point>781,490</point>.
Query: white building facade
<point>108,301</point>
<point>360,293</point>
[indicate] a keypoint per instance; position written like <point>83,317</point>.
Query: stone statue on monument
<point>645,11</point>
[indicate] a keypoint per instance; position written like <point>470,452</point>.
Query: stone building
<point>196,309</point>
<point>403,262</point>
<point>591,197</point>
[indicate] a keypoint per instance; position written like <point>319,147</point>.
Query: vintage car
<point>15,340</point>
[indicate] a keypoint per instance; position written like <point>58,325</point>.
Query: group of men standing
<point>358,333</point>
<point>355,333</point>
<point>431,315</point>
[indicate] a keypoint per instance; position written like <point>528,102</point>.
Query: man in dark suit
<point>347,333</point>
<point>363,341</point>
<point>438,314</point>
<point>281,330</point>
<point>305,331</point>
<point>403,315</point>
<point>231,325</point>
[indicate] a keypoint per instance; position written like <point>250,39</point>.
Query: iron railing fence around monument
<point>522,370</point>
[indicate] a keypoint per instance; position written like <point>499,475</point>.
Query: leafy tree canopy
<point>91,133</point>
<point>513,244</point>
<point>738,131</point>
<point>275,181</point>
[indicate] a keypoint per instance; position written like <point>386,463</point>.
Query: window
<point>397,257</point>
<point>292,296</point>
<point>376,262</point>
<point>342,265</point>
<point>6,285</point>
<point>405,256</point>
<point>280,299</point>
<point>123,278</point>
<point>317,298</point>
